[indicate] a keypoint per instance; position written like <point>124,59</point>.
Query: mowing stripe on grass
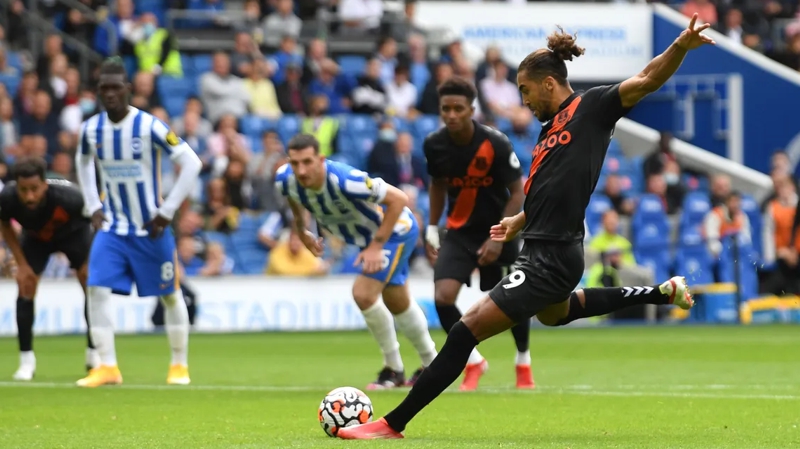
<point>584,390</point>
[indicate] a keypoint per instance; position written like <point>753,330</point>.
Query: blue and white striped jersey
<point>129,157</point>
<point>347,206</point>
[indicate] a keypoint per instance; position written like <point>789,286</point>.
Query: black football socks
<point>449,315</point>
<point>25,324</point>
<point>89,342</point>
<point>602,301</point>
<point>442,372</point>
<point>522,335</point>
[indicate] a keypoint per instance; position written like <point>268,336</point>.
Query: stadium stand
<point>314,74</point>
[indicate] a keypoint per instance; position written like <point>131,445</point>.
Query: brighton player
<point>372,215</point>
<point>566,165</point>
<point>52,217</point>
<point>134,243</point>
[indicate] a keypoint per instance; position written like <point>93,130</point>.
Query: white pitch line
<point>584,390</point>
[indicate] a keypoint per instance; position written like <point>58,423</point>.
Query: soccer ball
<point>344,407</point>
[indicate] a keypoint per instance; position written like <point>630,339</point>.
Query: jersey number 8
<point>167,271</point>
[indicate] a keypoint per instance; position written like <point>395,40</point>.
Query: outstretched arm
<point>663,66</point>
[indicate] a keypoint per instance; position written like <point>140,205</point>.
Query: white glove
<point>432,236</point>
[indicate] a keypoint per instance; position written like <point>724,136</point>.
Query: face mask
<point>149,29</point>
<point>388,135</point>
<point>671,179</point>
<point>87,105</point>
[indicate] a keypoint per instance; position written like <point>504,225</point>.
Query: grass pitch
<point>624,387</point>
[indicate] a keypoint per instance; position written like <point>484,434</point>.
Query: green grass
<point>632,387</point>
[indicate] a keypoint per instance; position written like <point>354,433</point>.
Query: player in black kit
<point>475,167</point>
<point>52,218</point>
<point>566,165</point>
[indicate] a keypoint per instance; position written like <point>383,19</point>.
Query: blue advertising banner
<point>724,98</point>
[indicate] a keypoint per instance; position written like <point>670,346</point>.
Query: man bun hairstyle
<point>563,45</point>
<point>550,61</point>
<point>458,86</point>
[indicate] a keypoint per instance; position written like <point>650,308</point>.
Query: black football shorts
<point>458,258</point>
<point>75,246</point>
<point>545,273</point>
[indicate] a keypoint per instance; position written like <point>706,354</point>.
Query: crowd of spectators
<point>270,75</point>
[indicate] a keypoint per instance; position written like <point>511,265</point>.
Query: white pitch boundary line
<point>583,390</point>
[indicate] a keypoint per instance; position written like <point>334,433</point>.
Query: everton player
<point>475,168</point>
<point>52,217</point>
<point>566,165</point>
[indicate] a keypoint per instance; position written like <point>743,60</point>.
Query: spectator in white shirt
<point>221,92</point>
<point>502,97</point>
<point>387,55</point>
<point>281,23</point>
<point>402,94</point>
<point>360,15</point>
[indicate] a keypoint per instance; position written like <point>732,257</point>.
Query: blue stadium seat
<point>598,205</point>
<point>352,65</point>
<point>651,232</point>
<point>131,65</point>
<point>614,164</point>
<point>175,106</point>
<point>614,148</point>
<point>202,64</point>
<point>187,63</point>
<point>345,158</point>
<point>12,84</point>
<point>169,86</point>
<point>253,260</point>
<point>287,126</point>
<point>249,224</point>
<point>251,125</point>
<point>359,125</point>
<point>696,206</point>
<point>746,264</point>
<point>655,258</point>
<point>695,264</point>
<point>425,125</point>
<point>13,59</point>
<point>753,210</point>
<point>217,237</point>
<point>157,7</point>
<point>636,173</point>
<point>401,125</point>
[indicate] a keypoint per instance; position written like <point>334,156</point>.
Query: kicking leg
<point>366,293</point>
<point>445,295</point>
<point>176,322</point>
<point>411,321</point>
<point>600,301</point>
<point>482,321</point>
<point>102,330</point>
<point>92,358</point>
